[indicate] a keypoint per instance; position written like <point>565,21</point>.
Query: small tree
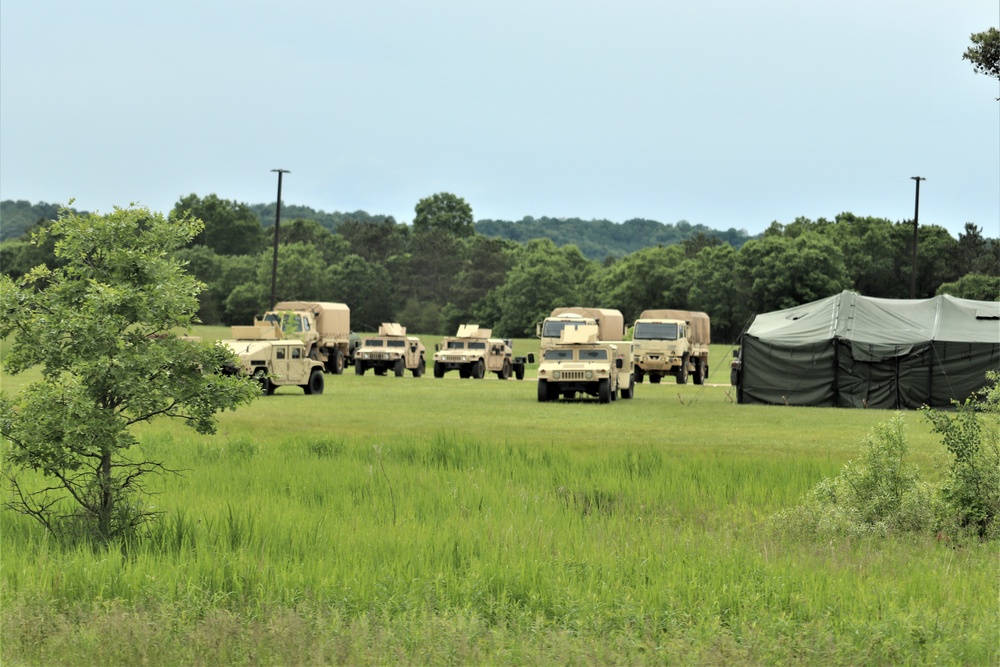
<point>984,54</point>
<point>102,328</point>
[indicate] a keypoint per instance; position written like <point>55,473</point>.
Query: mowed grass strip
<point>447,520</point>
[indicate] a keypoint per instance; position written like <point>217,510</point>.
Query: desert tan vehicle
<point>473,352</point>
<point>671,342</point>
<point>580,363</point>
<point>610,323</point>
<point>390,349</point>
<point>324,327</point>
<point>274,361</point>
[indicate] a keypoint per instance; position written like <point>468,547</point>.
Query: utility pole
<point>277,223</point>
<point>916,215</point>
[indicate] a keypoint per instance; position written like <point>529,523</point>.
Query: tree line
<point>445,269</point>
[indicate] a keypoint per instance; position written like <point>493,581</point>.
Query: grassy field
<point>402,520</point>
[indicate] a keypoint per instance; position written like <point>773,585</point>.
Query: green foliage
<point>880,493</point>
<point>971,490</point>
<point>101,327</point>
<point>973,286</point>
<point>984,54</point>
<point>444,212</point>
<point>20,216</point>
<point>230,228</point>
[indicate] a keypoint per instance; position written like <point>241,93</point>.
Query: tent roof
<point>850,316</point>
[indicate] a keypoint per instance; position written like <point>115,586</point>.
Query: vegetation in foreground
<point>344,529</point>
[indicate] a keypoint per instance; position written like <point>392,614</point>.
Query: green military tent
<point>850,350</point>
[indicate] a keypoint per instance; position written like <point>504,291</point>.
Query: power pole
<point>916,215</point>
<point>277,224</point>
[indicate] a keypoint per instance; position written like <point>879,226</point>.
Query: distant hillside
<point>294,212</point>
<point>17,216</point>
<point>598,239</point>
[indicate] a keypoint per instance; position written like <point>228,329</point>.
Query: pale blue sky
<point>726,114</point>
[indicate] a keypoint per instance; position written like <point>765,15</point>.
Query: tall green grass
<point>458,521</point>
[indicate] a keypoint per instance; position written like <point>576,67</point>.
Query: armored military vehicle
<point>580,362</point>
<point>274,361</point>
<point>392,350</point>
<point>473,352</point>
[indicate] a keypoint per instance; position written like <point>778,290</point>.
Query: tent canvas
<point>850,350</point>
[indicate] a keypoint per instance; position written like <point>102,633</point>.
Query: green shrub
<point>970,493</point>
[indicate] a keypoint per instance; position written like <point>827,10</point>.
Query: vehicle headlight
<point>588,374</point>
<point>556,375</point>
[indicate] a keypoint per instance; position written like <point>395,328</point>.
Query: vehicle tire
<point>734,377</point>
<point>359,367</point>
<point>682,374</point>
<point>504,373</point>
<point>464,372</point>
<point>655,378</point>
<point>479,370</point>
<point>379,370</point>
<point>543,391</point>
<point>639,374</point>
<point>699,371</point>
<point>604,390</point>
<point>519,371</point>
<point>315,385</point>
<point>629,392</point>
<point>421,367</point>
<point>399,367</point>
<point>336,363</point>
<point>266,386</point>
<point>438,369</point>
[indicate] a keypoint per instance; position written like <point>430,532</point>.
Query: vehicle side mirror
<point>531,358</point>
<point>437,347</point>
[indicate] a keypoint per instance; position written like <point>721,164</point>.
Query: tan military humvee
<point>474,353</point>
<point>390,349</point>
<point>579,362</point>
<point>274,362</point>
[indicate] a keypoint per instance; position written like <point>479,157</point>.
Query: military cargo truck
<point>580,362</point>
<point>671,342</point>
<point>473,352</point>
<point>392,350</point>
<point>274,361</point>
<point>610,323</point>
<point>324,327</point>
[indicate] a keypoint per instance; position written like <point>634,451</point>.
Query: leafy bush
<point>970,494</point>
<point>877,494</point>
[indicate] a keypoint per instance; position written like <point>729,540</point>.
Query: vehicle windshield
<point>553,328</point>
<point>397,343</point>
<point>593,355</point>
<point>558,355</point>
<point>477,346</point>
<point>655,331</point>
<point>456,345</point>
<point>374,342</point>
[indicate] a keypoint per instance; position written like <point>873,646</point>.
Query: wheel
<point>315,385</point>
<point>629,391</point>
<point>336,363</point>
<point>604,390</point>
<point>682,374</point>
<point>639,373</point>
<point>519,372</point>
<point>505,371</point>
<point>419,370</point>
<point>543,391</point>
<point>266,386</point>
<point>464,372</point>
<point>655,378</point>
<point>699,371</point>
<point>359,367</point>
<point>379,370</point>
<point>399,367</point>
<point>734,377</point>
<point>438,369</point>
<point>479,370</point>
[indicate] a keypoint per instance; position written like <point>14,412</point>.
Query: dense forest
<point>446,268</point>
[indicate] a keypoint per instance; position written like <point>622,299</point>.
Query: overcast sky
<point>727,113</point>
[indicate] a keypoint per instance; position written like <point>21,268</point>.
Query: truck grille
<point>571,375</point>
<point>380,356</point>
